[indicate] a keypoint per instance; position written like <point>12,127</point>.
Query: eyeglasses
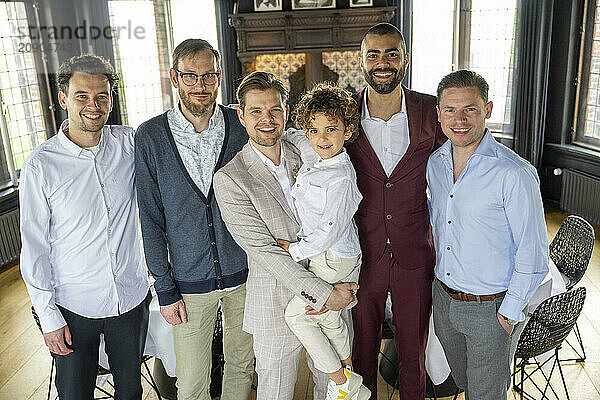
<point>190,79</point>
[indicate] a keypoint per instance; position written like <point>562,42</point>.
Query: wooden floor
<point>25,361</point>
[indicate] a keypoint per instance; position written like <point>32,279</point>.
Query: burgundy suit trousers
<point>411,307</point>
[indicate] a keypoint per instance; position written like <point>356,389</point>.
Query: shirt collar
<point>365,108</point>
<point>335,159</point>
<point>183,124</point>
<point>266,159</point>
<point>70,146</point>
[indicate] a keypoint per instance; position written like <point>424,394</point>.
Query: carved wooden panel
<point>305,31</point>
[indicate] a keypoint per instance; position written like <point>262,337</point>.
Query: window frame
<point>587,28</point>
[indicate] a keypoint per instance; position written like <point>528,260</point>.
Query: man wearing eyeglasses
<point>190,253</point>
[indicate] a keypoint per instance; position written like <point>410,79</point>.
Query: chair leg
<point>580,341</point>
<point>456,393</point>
<point>50,381</point>
<point>151,382</point>
<point>561,374</point>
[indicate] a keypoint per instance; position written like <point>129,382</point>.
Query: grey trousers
<point>478,349</point>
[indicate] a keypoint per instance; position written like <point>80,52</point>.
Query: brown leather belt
<point>462,296</point>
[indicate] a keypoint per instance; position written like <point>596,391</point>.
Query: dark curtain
<point>232,69</point>
<point>530,87</point>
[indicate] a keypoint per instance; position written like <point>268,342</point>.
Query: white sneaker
<point>350,390</point>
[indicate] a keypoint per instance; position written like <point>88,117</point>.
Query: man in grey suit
<point>253,193</point>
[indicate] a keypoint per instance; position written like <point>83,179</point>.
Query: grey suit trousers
<point>477,347</point>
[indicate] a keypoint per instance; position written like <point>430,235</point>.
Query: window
<point>21,108</point>
<point>587,118</point>
<point>136,60</point>
<point>466,34</point>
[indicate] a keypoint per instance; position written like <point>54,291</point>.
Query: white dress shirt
<point>326,197</point>
<point>280,174</point>
<point>389,139</point>
<point>199,151</point>
<point>79,228</point>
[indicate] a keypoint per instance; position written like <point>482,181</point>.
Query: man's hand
<point>312,311</point>
<point>174,313</point>
<point>58,340</point>
<point>284,244</point>
<point>341,296</point>
<point>508,328</point>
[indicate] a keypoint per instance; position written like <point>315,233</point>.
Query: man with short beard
<point>398,132</point>
<point>190,253</point>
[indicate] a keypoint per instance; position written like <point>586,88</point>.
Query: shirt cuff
<point>512,308</point>
<point>52,321</point>
<point>295,252</point>
<point>168,297</point>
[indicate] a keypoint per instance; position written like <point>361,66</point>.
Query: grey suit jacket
<point>256,213</point>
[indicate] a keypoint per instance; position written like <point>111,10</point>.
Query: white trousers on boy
<point>325,337</point>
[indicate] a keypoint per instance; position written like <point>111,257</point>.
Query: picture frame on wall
<point>312,4</point>
<point>267,5</point>
<point>361,3</point>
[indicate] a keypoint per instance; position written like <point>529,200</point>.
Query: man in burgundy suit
<point>399,130</point>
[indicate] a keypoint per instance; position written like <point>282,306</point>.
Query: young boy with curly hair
<point>326,197</point>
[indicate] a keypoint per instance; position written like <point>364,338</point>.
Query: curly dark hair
<point>86,63</point>
<point>331,100</point>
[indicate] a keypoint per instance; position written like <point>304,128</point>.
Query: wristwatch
<point>509,321</point>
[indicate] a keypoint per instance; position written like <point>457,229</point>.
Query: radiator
<point>580,194</point>
<point>10,238</point>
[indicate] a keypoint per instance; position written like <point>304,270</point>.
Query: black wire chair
<point>547,328</point>
<point>570,251</point>
<point>100,372</point>
<point>388,368</point>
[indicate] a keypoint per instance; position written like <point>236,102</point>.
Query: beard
<point>266,142</point>
<point>197,110</point>
<point>385,88</point>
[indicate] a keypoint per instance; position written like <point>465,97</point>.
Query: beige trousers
<point>325,337</point>
<point>193,346</point>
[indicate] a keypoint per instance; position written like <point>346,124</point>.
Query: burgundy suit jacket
<point>396,207</point>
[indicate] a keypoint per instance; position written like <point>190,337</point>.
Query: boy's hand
<point>284,244</point>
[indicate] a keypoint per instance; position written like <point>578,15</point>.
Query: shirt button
<point>320,160</point>
<point>107,209</point>
<point>216,261</point>
<point>314,301</point>
<point>308,169</point>
<point>302,293</point>
<point>330,223</point>
<point>388,185</point>
<point>102,185</point>
<point>109,231</point>
<point>449,222</point>
<point>210,224</point>
<point>218,277</point>
<point>389,216</point>
<point>448,273</point>
<point>212,243</point>
<point>451,196</point>
<point>448,248</point>
<point>112,254</point>
<point>208,206</point>
<point>297,185</point>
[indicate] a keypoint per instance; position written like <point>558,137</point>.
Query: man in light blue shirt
<point>490,238</point>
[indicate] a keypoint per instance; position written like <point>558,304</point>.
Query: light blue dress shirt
<point>488,226</point>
